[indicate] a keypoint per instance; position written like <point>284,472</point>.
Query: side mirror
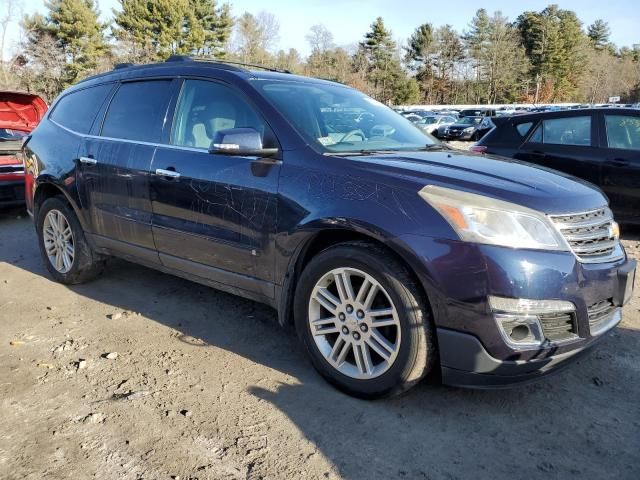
<point>240,142</point>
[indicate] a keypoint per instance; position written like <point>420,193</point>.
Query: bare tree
<point>255,37</point>
<point>10,13</point>
<point>320,39</point>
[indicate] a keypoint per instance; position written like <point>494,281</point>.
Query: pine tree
<point>598,33</point>
<point>77,32</point>
<point>164,27</point>
<point>553,39</point>
<point>383,66</point>
<point>476,40</point>
<point>207,28</point>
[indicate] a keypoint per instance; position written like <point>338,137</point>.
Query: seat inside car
<point>205,122</point>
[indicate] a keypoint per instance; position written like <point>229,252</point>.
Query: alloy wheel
<point>354,323</point>
<point>58,241</point>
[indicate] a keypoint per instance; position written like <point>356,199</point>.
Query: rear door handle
<point>167,173</point>
<point>88,161</point>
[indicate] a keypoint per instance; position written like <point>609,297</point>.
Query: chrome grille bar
<point>590,235</point>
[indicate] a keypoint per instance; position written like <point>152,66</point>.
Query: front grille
<point>558,327</point>
<point>590,235</point>
<point>600,315</point>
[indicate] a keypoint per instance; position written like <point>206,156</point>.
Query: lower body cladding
<point>506,316</point>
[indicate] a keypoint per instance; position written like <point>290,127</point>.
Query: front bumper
<point>11,192</point>
<point>466,363</point>
<point>458,135</point>
<point>459,277</point>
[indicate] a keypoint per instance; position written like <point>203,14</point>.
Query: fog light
<point>520,331</point>
<point>518,320</point>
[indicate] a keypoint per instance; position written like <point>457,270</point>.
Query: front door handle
<point>88,161</point>
<point>167,173</point>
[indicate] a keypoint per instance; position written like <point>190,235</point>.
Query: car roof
<point>578,112</point>
<point>190,67</point>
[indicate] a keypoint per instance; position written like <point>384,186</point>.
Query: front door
<point>215,215</point>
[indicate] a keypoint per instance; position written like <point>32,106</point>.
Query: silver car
<point>432,124</point>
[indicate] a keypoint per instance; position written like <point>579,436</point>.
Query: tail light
<point>479,149</point>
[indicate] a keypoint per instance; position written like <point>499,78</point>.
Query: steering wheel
<point>353,133</point>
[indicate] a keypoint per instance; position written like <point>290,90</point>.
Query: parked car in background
<point>600,145</point>
<point>478,112</point>
<point>394,256</point>
<point>431,124</point>
<point>465,128</point>
<point>19,114</point>
<point>413,118</point>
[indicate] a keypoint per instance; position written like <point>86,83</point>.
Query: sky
<point>349,20</point>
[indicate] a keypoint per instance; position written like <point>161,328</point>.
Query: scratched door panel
<point>220,212</point>
<point>115,190</point>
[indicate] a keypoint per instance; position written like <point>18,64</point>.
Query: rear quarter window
<point>77,110</point>
<point>523,128</point>
<point>623,132</point>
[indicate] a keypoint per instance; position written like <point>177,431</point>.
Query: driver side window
<point>205,108</point>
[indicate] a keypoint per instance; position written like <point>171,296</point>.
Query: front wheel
<point>364,321</point>
<point>64,248</point>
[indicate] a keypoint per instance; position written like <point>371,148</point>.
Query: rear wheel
<point>64,248</point>
<point>364,321</point>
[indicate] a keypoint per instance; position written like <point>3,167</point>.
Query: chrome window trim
<point>126,140</point>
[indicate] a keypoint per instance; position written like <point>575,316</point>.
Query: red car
<point>19,114</point>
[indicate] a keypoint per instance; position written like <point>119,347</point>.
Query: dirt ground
<point>206,386</point>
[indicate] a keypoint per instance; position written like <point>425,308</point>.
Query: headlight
<point>480,219</point>
<point>468,129</point>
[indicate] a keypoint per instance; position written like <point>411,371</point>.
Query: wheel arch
<point>46,189</point>
<point>324,238</point>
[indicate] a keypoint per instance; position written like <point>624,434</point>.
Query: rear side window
<point>137,111</point>
<point>564,131</point>
<point>77,110</point>
<point>623,132</point>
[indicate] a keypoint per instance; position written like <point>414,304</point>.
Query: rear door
<point>621,167</point>
<point>114,167</point>
<point>565,143</point>
<point>214,215</point>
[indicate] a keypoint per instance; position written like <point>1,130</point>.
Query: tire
<point>408,330</point>
<point>83,264</point>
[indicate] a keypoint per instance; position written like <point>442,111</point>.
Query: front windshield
<point>429,120</point>
<point>338,119</point>
<point>470,120</point>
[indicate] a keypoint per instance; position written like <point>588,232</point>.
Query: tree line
<point>540,57</point>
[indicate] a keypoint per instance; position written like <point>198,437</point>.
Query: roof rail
<point>187,58</point>
<point>119,66</point>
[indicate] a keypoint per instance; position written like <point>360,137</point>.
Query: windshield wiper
<point>435,147</point>
<point>360,152</point>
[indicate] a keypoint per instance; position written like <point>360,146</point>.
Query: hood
<point>21,111</point>
<point>510,180</point>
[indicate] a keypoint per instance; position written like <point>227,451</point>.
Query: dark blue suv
<point>394,256</point>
